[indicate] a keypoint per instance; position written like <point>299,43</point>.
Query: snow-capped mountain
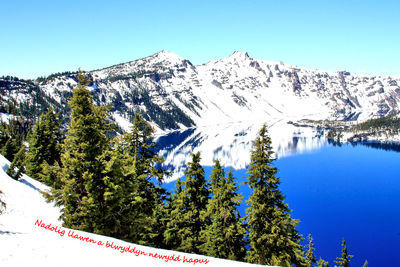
<point>175,94</point>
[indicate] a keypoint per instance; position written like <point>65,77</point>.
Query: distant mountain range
<point>172,93</point>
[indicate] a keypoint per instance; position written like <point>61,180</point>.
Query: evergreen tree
<point>10,140</point>
<point>322,263</point>
<point>187,215</point>
<point>82,170</point>
<point>344,260</point>
<point>118,186</point>
<point>44,144</point>
<point>310,254</point>
<point>17,165</point>
<point>50,175</point>
<point>3,134</point>
<point>11,148</point>
<point>272,234</point>
<point>224,236</point>
<point>158,224</point>
<point>146,166</point>
<point>133,203</point>
<point>174,224</point>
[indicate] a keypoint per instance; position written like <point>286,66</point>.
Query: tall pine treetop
<point>310,254</point>
<point>261,171</point>
<point>82,168</point>
<point>44,143</point>
<point>187,210</point>
<point>224,236</point>
<point>344,260</point>
<point>141,146</point>
<point>272,236</point>
<point>195,185</point>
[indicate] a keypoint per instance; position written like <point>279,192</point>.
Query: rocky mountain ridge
<point>172,93</point>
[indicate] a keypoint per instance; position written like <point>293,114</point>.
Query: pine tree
<point>118,187</point>
<point>344,260</point>
<point>187,215</point>
<point>142,147</point>
<point>11,148</point>
<point>17,165</point>
<point>224,236</point>
<point>146,167</point>
<point>82,170</point>
<point>322,263</point>
<point>11,140</point>
<point>4,136</point>
<point>51,176</point>
<point>133,202</point>
<point>310,254</point>
<point>44,144</point>
<point>174,208</point>
<point>158,225</point>
<point>273,237</point>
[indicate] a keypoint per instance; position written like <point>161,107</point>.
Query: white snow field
<point>32,235</point>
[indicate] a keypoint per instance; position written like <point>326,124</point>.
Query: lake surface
<point>350,192</point>
<point>339,191</point>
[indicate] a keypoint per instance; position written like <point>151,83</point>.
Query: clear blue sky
<point>42,37</point>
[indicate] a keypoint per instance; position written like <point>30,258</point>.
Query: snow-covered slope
<point>240,88</point>
<point>175,94</point>
<point>25,241</point>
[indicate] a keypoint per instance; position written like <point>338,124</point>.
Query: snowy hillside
<point>175,94</point>
<point>240,88</point>
<point>31,235</point>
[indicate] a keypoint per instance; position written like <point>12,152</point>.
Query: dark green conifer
<point>310,254</point>
<point>132,200</point>
<point>344,260</point>
<point>50,175</point>
<point>174,225</point>
<point>82,170</point>
<point>141,147</point>
<point>4,136</point>
<point>11,140</point>
<point>118,185</point>
<point>17,165</point>
<point>44,145</point>
<point>224,236</point>
<point>322,263</point>
<point>187,216</point>
<point>149,196</point>
<point>158,224</point>
<point>10,148</point>
<point>273,237</point>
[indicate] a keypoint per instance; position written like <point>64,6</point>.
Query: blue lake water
<point>347,191</point>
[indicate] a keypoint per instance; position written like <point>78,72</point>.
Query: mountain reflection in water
<point>231,144</point>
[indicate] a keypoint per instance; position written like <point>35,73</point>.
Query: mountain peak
<point>239,54</point>
<point>164,52</point>
<point>165,55</point>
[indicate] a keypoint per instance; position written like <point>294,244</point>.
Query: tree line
<point>113,186</point>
